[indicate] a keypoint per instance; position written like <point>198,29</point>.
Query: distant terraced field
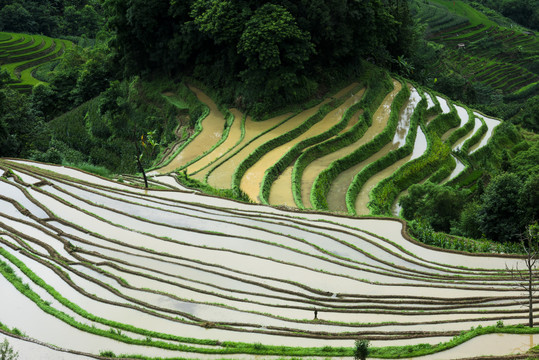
<point>498,57</point>
<point>22,54</point>
<point>355,152</point>
<point>93,265</point>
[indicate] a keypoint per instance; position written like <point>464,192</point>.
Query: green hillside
<point>218,179</point>
<point>22,54</point>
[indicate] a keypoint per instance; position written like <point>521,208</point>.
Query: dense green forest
<point>52,18</point>
<point>100,98</point>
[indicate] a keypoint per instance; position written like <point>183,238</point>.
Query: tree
<point>275,51</point>
<point>16,18</point>
<point>439,205</point>
<point>501,216</point>
<point>148,145</point>
<point>7,352</point>
<point>530,199</point>
<point>526,279</point>
<point>222,20</point>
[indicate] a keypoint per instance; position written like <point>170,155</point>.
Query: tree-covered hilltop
<point>260,54</point>
<point>52,18</point>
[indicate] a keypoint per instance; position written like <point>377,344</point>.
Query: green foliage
<point>526,163</point>
<point>438,205</point>
<point>275,49</point>
<point>374,94</point>
<point>323,181</point>
<point>260,56</point>
<point>52,18</point>
<point>107,353</point>
<point>361,350</point>
<point>468,224</point>
<point>14,17</point>
<point>7,352</point>
<point>424,233</point>
<point>501,216</point>
<point>524,12</point>
<point>528,117</point>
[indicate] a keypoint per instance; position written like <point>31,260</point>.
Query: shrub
<point>362,349</point>
<point>7,352</point>
<point>107,353</point>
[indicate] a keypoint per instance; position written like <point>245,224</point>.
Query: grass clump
<point>7,352</point>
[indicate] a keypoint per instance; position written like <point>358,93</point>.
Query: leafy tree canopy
<point>259,51</point>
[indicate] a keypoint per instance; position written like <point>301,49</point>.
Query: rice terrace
<point>268,202</point>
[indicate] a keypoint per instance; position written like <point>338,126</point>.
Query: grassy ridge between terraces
<point>376,91</point>
<point>257,154</point>
<point>386,192</point>
<point>505,136</point>
<point>323,181</point>
<point>392,157</point>
<point>225,347</point>
<point>273,172</point>
<point>22,54</point>
<point>443,122</point>
<point>446,168</point>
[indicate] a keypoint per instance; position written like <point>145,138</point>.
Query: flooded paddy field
<point>173,273</point>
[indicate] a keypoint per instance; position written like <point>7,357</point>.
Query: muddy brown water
<point>221,176</point>
<point>234,135</point>
<point>337,194</point>
<point>212,130</point>
<point>252,130</point>
<point>251,180</point>
<point>379,122</point>
<point>281,189</point>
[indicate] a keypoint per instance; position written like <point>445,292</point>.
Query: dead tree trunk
<point>139,164</point>
<point>525,279</point>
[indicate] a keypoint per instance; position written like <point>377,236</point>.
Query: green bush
<point>361,349</point>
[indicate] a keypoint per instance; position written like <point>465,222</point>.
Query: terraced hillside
<point>100,266</point>
<point>354,152</point>
<point>481,50</point>
<point>22,54</point>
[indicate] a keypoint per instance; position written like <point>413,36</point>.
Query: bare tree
<point>525,278</point>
